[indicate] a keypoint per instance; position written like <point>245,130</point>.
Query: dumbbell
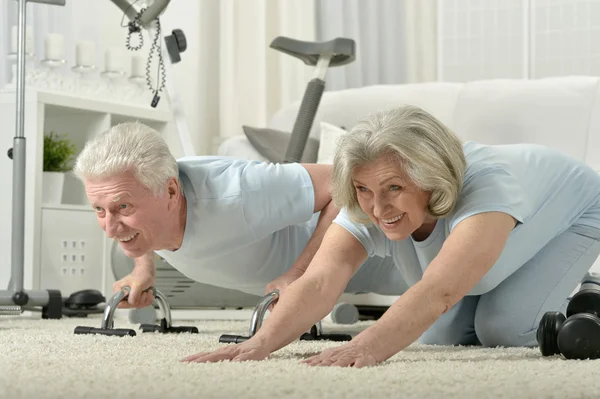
<point>576,336</point>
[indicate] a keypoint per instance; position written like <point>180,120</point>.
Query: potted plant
<point>58,155</point>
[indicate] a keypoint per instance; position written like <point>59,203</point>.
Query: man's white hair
<point>128,147</point>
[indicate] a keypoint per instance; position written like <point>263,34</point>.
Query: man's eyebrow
<point>118,198</point>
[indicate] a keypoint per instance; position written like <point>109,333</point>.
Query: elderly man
<point>236,224</point>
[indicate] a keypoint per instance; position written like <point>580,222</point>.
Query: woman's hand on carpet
<point>347,355</point>
<point>235,352</point>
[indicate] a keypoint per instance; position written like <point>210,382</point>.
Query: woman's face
<point>391,200</point>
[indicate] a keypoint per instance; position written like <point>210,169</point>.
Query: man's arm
<point>327,216</point>
<point>146,262</point>
<point>321,178</point>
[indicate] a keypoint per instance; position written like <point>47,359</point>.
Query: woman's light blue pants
<point>509,314</point>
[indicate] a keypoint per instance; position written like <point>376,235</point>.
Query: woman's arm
<point>467,255</point>
<point>307,300</point>
<point>312,296</point>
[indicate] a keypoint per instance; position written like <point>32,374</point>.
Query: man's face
<point>128,212</point>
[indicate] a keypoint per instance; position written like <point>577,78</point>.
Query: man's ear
<point>172,188</point>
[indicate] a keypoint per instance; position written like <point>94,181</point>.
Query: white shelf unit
<point>65,248</point>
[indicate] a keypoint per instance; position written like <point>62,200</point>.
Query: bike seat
<point>342,50</point>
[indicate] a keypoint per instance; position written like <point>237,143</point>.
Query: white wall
<point>518,38</point>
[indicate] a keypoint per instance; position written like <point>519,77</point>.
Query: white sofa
<point>561,112</point>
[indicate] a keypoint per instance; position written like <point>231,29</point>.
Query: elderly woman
<point>489,238</point>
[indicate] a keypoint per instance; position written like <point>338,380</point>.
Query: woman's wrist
<point>372,343</point>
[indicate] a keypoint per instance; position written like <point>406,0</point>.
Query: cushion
<point>272,144</point>
<point>328,142</point>
<point>240,147</point>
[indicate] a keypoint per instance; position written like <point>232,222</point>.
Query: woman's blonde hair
<point>429,152</point>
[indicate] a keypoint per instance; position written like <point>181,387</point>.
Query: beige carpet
<point>43,358</point>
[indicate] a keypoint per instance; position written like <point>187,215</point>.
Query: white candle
<point>138,66</point>
<point>55,46</point>
<point>28,39</point>
<point>113,59</point>
<point>85,53</point>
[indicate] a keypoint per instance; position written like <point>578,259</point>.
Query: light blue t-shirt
<point>543,189</point>
<point>247,223</point>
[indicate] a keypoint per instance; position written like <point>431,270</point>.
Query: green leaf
<point>58,153</point>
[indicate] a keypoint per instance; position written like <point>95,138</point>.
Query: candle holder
<point>84,69</point>
<point>52,64</point>
<point>51,77</point>
<point>13,57</point>
<point>86,82</point>
<point>138,80</point>
<point>113,75</point>
<point>31,72</point>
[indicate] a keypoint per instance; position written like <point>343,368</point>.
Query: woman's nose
<point>379,206</point>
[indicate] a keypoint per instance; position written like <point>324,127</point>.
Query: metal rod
<point>18,195</point>
<point>261,309</point>
<point>322,64</point>
<point>111,306</point>
<point>153,11</point>
<point>163,305</point>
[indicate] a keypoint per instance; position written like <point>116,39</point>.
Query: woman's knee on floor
<point>500,329</point>
<point>447,335</point>
<point>454,327</point>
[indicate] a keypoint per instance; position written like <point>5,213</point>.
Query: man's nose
<point>111,224</point>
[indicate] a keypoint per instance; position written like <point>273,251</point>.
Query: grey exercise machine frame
<point>16,299</point>
<point>322,55</point>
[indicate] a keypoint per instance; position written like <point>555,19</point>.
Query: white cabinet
<point>71,249</point>
<point>47,226</point>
